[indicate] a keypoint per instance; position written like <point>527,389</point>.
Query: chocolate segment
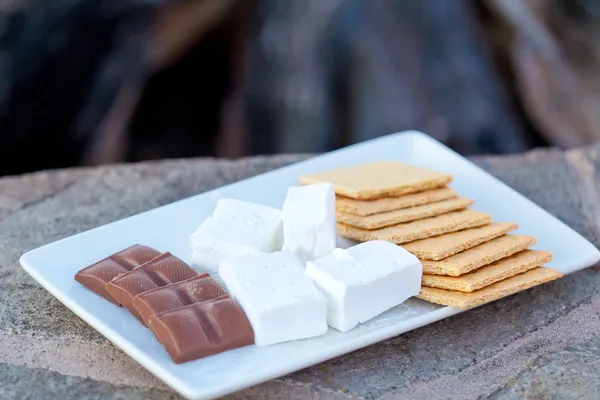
<point>195,290</point>
<point>160,271</point>
<point>202,329</point>
<point>96,276</point>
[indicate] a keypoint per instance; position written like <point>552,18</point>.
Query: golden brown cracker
<point>379,179</point>
<point>382,220</point>
<point>385,204</point>
<point>439,247</point>
<point>478,256</point>
<point>421,229</point>
<point>504,288</point>
<point>505,268</point>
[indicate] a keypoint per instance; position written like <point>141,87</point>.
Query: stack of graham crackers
<point>468,259</point>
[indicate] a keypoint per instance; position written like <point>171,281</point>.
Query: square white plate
<point>168,229</point>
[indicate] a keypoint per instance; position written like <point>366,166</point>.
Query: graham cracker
<point>379,179</point>
<point>478,256</point>
<point>495,272</point>
<point>385,204</point>
<point>382,220</point>
<point>421,229</point>
<point>504,288</point>
<point>439,247</point>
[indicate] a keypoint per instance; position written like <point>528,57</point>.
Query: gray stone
<point>22,383</point>
<point>496,350</point>
<point>570,373</point>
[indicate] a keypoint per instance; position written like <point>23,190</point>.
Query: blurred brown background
<point>86,82</point>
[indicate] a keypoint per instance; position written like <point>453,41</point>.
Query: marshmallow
<point>280,301</point>
<point>364,281</point>
<point>309,221</point>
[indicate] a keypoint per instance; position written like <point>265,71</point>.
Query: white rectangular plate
<point>168,229</point>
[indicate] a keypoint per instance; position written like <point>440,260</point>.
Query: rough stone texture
<point>542,343</point>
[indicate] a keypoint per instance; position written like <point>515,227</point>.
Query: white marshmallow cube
<point>309,221</point>
<point>364,281</point>
<point>280,301</point>
<point>236,228</point>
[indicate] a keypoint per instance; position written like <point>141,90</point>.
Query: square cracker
<point>504,288</point>
<point>385,204</point>
<point>439,247</point>
<point>478,256</point>
<point>421,229</point>
<point>382,220</point>
<point>379,179</point>
<point>495,272</point>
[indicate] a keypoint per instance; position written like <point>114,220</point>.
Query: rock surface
<point>542,343</point>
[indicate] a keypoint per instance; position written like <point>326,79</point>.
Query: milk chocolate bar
<point>160,271</point>
<point>202,329</point>
<point>96,276</point>
<point>195,290</point>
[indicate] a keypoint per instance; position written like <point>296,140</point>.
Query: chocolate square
<point>202,329</point>
<point>96,276</point>
<point>194,290</point>
<point>160,271</point>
